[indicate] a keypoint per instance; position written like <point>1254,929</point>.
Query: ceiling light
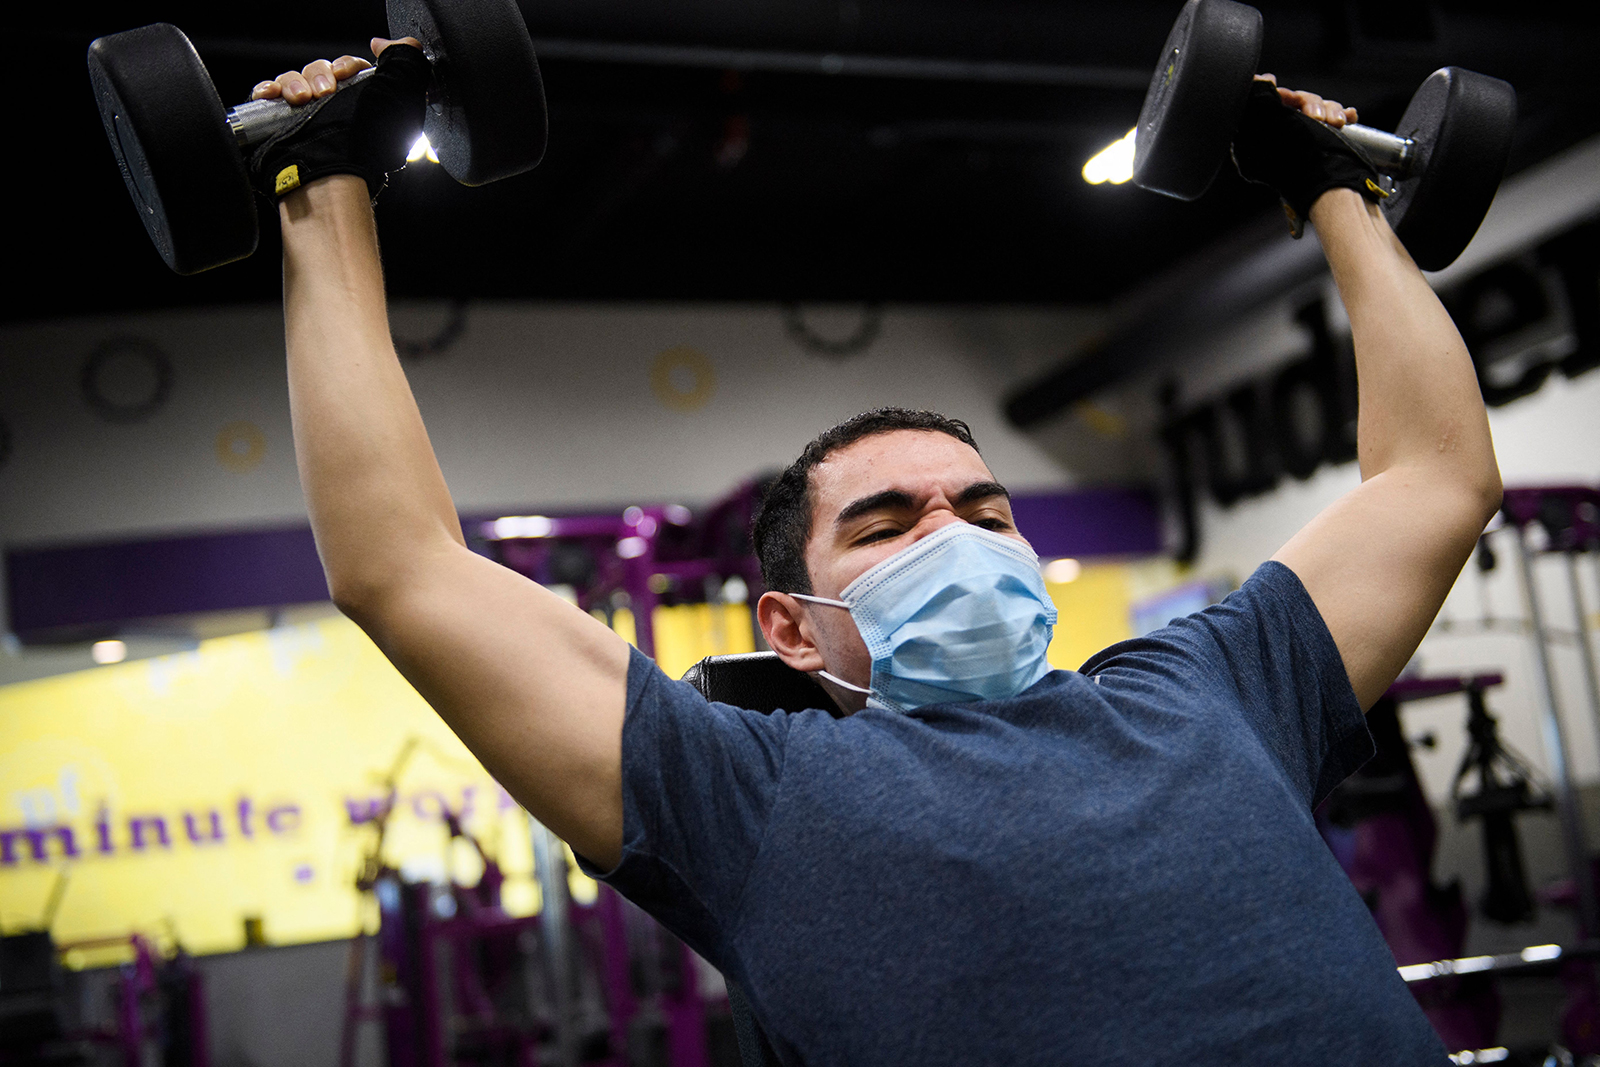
<point>108,651</point>
<point>516,526</point>
<point>1062,571</point>
<point>1113,163</point>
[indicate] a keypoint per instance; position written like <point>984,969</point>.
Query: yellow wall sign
<point>184,794</point>
<point>1092,613</point>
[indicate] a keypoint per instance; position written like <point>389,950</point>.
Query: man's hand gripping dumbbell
<point>364,128</point>
<point>1278,145</point>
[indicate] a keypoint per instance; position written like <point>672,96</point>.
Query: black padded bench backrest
<point>759,681</point>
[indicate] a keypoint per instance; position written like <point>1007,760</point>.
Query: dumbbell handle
<point>1389,152</point>
<point>259,120</point>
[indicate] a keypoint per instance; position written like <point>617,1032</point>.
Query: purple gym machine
<point>158,1009</point>
<point>641,559</point>
<point>1562,523</point>
<point>1382,831</point>
<point>459,980</point>
<point>158,1005</point>
<point>1380,827</point>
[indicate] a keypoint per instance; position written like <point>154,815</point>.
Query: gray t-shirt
<point>1117,866</point>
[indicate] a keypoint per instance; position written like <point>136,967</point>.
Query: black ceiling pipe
<point>1198,296</point>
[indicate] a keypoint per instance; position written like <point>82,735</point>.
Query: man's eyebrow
<point>888,498</point>
<point>981,491</point>
<point>899,498</point>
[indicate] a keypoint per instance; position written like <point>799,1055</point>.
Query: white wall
<point>1550,437</point>
<point>1547,438</point>
<point>536,405</point>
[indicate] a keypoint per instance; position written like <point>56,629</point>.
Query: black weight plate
<point>1462,124</point>
<point>1196,97</point>
<point>486,116</point>
<point>170,134</point>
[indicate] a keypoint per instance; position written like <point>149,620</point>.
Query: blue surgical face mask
<point>961,615</point>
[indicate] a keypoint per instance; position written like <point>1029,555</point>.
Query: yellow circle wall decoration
<point>683,378</point>
<point>240,446</point>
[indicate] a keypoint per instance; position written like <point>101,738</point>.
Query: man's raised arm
<point>534,686</point>
<point>1379,562</point>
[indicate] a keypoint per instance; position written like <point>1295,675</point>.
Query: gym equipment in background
<point>1442,165</point>
<point>182,156</point>
<point>158,1001</point>
<point>1562,522</point>
<point>1506,784</point>
<point>1380,828</point>
<point>460,981</point>
<point>645,558</point>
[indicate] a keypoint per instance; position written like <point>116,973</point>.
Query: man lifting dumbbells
<point>979,860</point>
<point>1052,868</point>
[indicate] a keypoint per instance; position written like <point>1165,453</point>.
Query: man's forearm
<point>1420,407</point>
<point>377,499</point>
<point>534,686</point>
<point>1380,560</point>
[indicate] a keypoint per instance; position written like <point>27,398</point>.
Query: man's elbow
<point>1460,499</point>
<point>376,589</point>
<point>1471,477</point>
<point>1489,491</point>
<point>358,596</point>
<point>366,588</point>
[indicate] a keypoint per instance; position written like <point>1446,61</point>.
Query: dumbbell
<point>183,156</point>
<point>1441,166</point>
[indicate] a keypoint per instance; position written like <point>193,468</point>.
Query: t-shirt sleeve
<point>698,783</point>
<point>1266,650</point>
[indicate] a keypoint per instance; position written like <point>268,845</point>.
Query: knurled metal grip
<point>1388,152</point>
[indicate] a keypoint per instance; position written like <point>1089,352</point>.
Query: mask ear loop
<point>840,682</point>
<point>821,600</point>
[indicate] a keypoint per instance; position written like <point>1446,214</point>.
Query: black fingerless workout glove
<point>364,129</point>
<point>1297,156</point>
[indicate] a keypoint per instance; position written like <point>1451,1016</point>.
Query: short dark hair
<point>783,525</point>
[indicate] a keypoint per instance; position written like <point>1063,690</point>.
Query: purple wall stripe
<point>97,586</point>
<point>1105,521</point>
<point>75,591</point>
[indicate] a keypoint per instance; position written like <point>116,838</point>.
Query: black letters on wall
<point>1521,320</point>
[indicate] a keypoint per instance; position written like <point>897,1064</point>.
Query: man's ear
<point>786,629</point>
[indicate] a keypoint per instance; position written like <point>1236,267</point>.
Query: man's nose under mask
<point>959,616</point>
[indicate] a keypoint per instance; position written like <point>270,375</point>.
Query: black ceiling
<point>907,150</point>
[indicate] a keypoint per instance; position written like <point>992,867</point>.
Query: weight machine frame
<point>1568,516</point>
